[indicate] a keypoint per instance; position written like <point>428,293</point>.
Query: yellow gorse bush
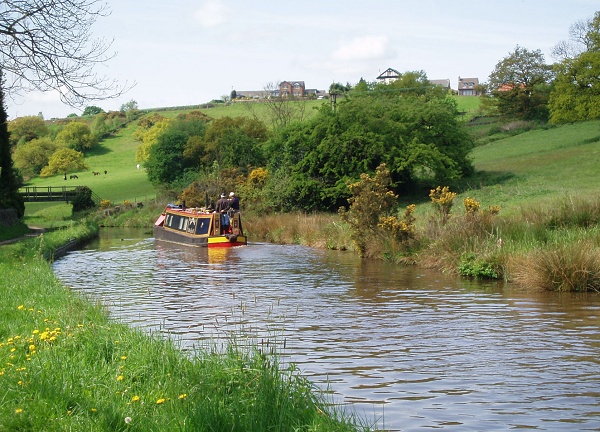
<point>471,205</point>
<point>258,175</point>
<point>442,200</point>
<point>403,229</point>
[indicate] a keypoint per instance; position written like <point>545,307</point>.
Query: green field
<point>539,166</point>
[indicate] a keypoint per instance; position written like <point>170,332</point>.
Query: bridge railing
<point>52,193</point>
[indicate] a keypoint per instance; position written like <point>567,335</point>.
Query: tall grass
<point>316,230</point>
<point>555,247</point>
<point>564,267</point>
<point>67,366</point>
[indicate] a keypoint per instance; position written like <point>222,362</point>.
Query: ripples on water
<point>408,348</point>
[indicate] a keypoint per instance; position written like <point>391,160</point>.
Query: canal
<point>405,348</point>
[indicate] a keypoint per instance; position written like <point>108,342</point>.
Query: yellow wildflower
<point>120,378</point>
<point>160,401</point>
<point>135,398</point>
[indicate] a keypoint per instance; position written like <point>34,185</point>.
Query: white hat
<point>231,194</point>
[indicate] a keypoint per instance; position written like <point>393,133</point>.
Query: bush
<point>83,199</point>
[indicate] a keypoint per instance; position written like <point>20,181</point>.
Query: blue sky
<point>187,52</point>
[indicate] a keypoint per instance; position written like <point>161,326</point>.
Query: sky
<point>188,52</point>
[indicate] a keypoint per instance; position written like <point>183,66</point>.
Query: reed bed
<point>320,230</point>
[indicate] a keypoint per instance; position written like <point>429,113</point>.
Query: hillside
<point>536,165</point>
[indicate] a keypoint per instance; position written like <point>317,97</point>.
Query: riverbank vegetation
<point>67,366</point>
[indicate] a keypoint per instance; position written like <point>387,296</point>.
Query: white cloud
<point>363,48</point>
<point>211,14</point>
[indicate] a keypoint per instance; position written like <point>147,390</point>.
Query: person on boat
<point>222,207</point>
<point>234,202</point>
<point>222,204</point>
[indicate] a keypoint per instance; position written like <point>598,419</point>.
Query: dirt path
<point>33,232</point>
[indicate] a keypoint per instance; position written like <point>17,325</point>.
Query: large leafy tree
<point>76,135</point>
<point>23,129</point>
<point>32,156</point>
<point>519,85</point>
<point>47,45</point>
<point>64,160</point>
<point>416,136</point>
<point>576,94</point>
<point>234,143</point>
<point>165,163</point>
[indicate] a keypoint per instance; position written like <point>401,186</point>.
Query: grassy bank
<point>66,366</point>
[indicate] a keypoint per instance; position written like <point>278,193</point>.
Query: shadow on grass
<point>482,179</point>
<point>100,149</point>
<point>419,192</point>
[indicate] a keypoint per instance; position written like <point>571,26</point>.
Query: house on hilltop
<point>388,76</point>
<point>468,87</point>
<point>292,88</point>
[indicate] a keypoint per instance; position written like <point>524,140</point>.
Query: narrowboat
<point>199,227</point>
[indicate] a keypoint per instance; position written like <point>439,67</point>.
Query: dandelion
<point>182,396</point>
<point>160,401</point>
<point>123,357</point>
<point>135,398</point>
<point>36,331</point>
<point>32,347</point>
<point>128,420</point>
<point>21,307</point>
<point>94,410</point>
<point>120,378</point>
<point>18,410</point>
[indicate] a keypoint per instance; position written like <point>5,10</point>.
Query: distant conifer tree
<point>9,184</point>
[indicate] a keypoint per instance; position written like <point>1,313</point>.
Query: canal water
<point>405,348</point>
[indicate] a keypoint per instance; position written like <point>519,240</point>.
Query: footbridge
<point>52,193</point>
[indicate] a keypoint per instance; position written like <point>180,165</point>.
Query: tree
<point>129,106</point>
<point>234,142</point>
<point>32,156</point>
<point>576,92</point>
<point>131,110</point>
<point>64,160</point>
<point>24,129</point>
<point>418,137</point>
<point>519,85</point>
<point>47,45</point>
<point>149,137</point>
<point>77,136</point>
<point>165,163</point>
<point>284,110</point>
<point>584,36</point>
<point>9,180</point>
<point>92,110</point>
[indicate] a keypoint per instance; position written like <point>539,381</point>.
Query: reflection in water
<point>421,349</point>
